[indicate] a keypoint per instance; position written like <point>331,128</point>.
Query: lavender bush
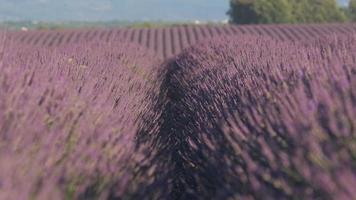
<point>253,118</point>
<point>69,118</point>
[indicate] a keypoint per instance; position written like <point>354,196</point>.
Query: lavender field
<point>182,112</point>
<point>170,41</point>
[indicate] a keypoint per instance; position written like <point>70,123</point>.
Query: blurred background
<point>77,13</point>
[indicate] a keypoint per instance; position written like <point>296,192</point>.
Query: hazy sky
<point>344,2</point>
<point>93,10</point>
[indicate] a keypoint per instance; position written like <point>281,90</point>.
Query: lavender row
<point>254,118</point>
<point>69,119</point>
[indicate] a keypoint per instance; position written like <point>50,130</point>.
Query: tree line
<point>290,11</point>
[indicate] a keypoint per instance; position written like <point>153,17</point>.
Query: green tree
<point>274,11</point>
<point>242,12</point>
<point>317,11</point>
<point>285,11</point>
<point>260,11</point>
<point>352,10</point>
